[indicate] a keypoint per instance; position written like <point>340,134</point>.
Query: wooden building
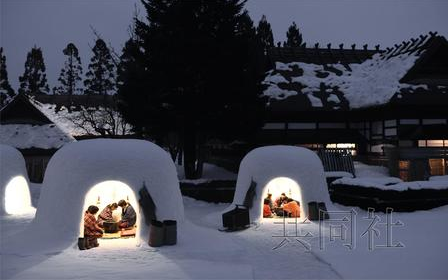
<point>388,107</point>
<point>25,127</point>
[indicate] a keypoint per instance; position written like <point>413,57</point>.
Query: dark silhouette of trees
<point>191,73</point>
<point>101,77</point>
<point>293,36</point>
<point>34,80</point>
<point>6,91</point>
<point>264,33</point>
<point>70,75</point>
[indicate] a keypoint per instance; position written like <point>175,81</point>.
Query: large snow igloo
<point>99,172</point>
<point>15,195</point>
<point>297,172</point>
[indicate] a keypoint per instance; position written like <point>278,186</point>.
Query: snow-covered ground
<point>210,172</point>
<point>203,252</point>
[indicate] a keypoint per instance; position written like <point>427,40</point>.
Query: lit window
<point>403,170</point>
<point>437,167</point>
<point>433,143</point>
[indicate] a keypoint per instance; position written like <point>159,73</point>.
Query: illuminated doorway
<point>108,192</point>
<point>276,187</point>
<point>17,196</point>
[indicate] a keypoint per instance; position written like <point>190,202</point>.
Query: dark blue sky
<point>51,24</point>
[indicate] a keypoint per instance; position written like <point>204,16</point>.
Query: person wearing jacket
<point>128,215</point>
<point>92,230</point>
<point>106,214</point>
<point>267,213</point>
<point>292,208</point>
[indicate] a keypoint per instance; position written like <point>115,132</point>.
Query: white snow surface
<point>264,164</point>
<point>12,165</point>
<point>336,174</point>
<point>392,183</point>
<point>438,178</point>
<point>364,170</point>
<point>372,82</point>
<point>25,136</point>
<point>77,167</point>
<point>210,172</point>
<point>205,253</point>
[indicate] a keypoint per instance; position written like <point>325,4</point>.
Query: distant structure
<point>387,107</point>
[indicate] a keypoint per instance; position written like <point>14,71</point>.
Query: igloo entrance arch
<point>107,192</point>
<point>280,185</point>
<point>263,165</point>
<point>17,196</point>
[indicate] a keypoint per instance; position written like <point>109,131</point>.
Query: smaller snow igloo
<point>15,195</point>
<point>99,172</point>
<point>297,172</point>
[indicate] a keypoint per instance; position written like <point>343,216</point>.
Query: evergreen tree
<point>293,36</point>
<point>264,33</point>
<point>34,80</point>
<point>6,91</point>
<point>100,79</point>
<point>197,75</point>
<point>70,75</point>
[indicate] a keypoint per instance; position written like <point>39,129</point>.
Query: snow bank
<point>15,195</point>
<point>263,165</point>
<point>384,183</point>
<point>392,183</point>
<point>25,136</point>
<point>438,178</point>
<point>336,174</point>
<point>77,167</point>
<point>364,170</point>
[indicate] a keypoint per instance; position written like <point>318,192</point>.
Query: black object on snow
<point>170,232</point>
<point>147,204</point>
<point>316,209</point>
<point>235,219</point>
<point>156,234</point>
<point>250,194</point>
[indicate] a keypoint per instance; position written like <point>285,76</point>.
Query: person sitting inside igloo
<point>106,214</point>
<point>267,212</point>
<point>128,215</point>
<point>292,208</point>
<point>92,231</point>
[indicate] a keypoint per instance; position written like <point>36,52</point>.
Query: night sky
<point>51,24</point>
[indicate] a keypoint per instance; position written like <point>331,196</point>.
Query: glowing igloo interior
<point>280,185</point>
<point>17,196</point>
<point>105,193</point>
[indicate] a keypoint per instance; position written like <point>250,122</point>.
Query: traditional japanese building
<point>388,107</point>
<point>24,126</point>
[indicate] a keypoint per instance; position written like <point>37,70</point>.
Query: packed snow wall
<point>277,164</point>
<point>78,167</point>
<point>15,195</point>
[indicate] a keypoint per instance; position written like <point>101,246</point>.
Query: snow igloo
<point>99,172</point>
<point>297,172</point>
<point>14,184</point>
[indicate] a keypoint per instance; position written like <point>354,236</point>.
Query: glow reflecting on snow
<point>106,193</point>
<point>17,196</point>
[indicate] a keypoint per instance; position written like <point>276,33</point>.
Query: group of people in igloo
<point>283,181</point>
<point>83,182</point>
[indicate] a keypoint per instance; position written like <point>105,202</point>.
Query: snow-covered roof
<point>262,165</point>
<point>74,123</point>
<point>77,167</point>
<point>26,136</point>
<point>346,86</point>
<point>24,126</point>
<point>12,166</point>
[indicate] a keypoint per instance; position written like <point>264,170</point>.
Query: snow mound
<point>76,168</point>
<point>263,165</point>
<point>15,195</point>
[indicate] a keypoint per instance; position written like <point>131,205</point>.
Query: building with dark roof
<point>387,106</point>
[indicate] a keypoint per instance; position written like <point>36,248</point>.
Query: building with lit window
<point>388,107</point>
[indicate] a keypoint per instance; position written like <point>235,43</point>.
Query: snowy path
<point>202,253</point>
